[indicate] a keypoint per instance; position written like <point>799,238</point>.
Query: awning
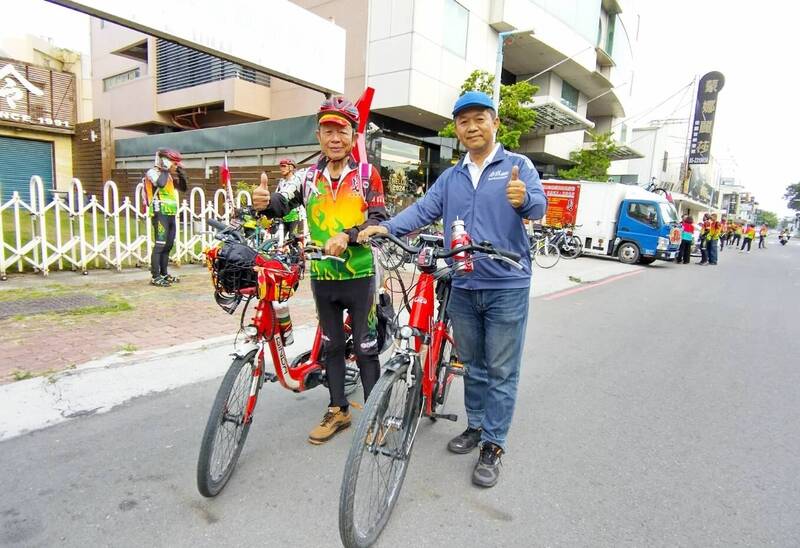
<point>553,117</point>
<point>625,152</point>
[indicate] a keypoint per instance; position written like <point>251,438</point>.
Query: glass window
<point>456,24</point>
<point>118,79</point>
<point>404,170</point>
<point>644,213</point>
<point>668,213</point>
<point>612,22</point>
<point>664,162</point>
<point>569,96</point>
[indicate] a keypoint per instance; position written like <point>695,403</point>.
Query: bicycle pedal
<point>270,377</point>
<point>446,416</point>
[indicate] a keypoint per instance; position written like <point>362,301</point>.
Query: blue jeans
<point>489,329</point>
<point>713,251</point>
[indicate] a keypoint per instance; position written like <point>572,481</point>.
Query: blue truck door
<point>639,223</point>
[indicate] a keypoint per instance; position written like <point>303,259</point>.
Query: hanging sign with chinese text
<point>704,111</point>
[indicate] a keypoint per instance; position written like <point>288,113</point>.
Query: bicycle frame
<point>433,329</point>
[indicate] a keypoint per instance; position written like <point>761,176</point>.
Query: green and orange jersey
<point>750,233</point>
<point>345,206</point>
<point>162,196</point>
<point>714,230</point>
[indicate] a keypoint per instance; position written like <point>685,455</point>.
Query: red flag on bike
<point>224,173</point>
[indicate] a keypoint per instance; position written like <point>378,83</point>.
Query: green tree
<point>591,164</point>
<point>768,217</point>
<point>516,119</point>
<point>792,196</point>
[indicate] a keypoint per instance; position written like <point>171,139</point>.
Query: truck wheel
<point>647,260</point>
<point>628,253</point>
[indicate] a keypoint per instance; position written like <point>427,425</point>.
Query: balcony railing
<point>180,67</point>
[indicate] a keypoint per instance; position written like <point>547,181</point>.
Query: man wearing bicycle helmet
<point>341,198</point>
<point>493,191</point>
<point>161,184</point>
<point>289,178</point>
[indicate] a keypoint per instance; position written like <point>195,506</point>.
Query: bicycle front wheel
<point>379,455</point>
<point>226,430</point>
<point>547,255</point>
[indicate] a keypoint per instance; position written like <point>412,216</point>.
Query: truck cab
<point>645,231</point>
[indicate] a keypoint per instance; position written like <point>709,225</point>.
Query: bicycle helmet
<point>287,162</point>
<point>172,155</point>
<point>338,110</point>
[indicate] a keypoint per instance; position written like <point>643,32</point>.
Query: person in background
<point>737,234</point>
<point>703,235</point>
<point>762,236</point>
<point>289,177</point>
<point>687,238</point>
<point>749,234</point>
<point>712,240</point>
<point>723,235</point>
<point>162,183</point>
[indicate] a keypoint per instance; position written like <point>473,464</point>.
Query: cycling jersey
<point>347,205</point>
<point>162,195</point>
<point>283,185</point>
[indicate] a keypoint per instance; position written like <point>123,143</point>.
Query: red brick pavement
<point>160,318</point>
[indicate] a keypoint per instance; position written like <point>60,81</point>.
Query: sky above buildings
<point>753,45</point>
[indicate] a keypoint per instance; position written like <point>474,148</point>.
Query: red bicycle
<point>240,273</point>
<point>416,382</point>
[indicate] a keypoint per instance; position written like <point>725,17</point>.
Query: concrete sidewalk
<point>98,385</point>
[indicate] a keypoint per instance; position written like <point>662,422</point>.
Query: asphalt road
<point>657,410</point>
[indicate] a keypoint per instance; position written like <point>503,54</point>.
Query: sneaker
<point>161,281</point>
<point>487,470</point>
<point>380,438</point>
<point>172,279</point>
<point>465,442</point>
<point>335,420</point>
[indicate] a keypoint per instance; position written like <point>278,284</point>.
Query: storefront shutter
<point>19,160</point>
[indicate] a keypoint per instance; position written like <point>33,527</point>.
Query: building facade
<point>44,98</point>
<point>415,53</point>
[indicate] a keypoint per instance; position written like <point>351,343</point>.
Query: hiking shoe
<point>161,281</point>
<point>332,422</point>
<point>487,470</point>
<point>465,442</point>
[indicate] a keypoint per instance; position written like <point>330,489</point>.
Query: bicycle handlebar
<point>484,247</point>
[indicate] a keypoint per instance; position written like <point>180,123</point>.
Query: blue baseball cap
<point>472,99</point>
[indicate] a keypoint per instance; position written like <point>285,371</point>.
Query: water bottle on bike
<point>459,237</point>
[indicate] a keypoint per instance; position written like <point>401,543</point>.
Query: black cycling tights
<point>332,299</point>
<point>164,231</point>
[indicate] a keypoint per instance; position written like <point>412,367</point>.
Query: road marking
<point>590,285</point>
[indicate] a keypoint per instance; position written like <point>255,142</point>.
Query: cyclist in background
<point>161,184</point>
<point>288,178</point>
<point>492,191</point>
<point>339,203</point>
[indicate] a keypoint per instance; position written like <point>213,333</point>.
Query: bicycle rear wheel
<point>547,255</point>
<point>379,455</point>
<point>226,430</point>
<point>571,248</point>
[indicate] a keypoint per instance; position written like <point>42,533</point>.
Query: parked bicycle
<point>240,273</point>
<point>544,251</point>
<point>416,382</point>
<point>569,245</point>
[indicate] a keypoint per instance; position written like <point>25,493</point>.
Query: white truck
<point>615,220</point>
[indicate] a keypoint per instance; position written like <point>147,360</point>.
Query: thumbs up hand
<point>515,190</point>
<point>261,194</point>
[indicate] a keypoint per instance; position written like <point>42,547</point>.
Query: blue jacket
<point>487,215</point>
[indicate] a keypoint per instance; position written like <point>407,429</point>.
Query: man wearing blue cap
<point>492,191</point>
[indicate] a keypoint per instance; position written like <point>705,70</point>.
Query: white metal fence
<point>77,235</point>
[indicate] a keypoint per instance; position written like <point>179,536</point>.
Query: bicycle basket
<point>233,268</point>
